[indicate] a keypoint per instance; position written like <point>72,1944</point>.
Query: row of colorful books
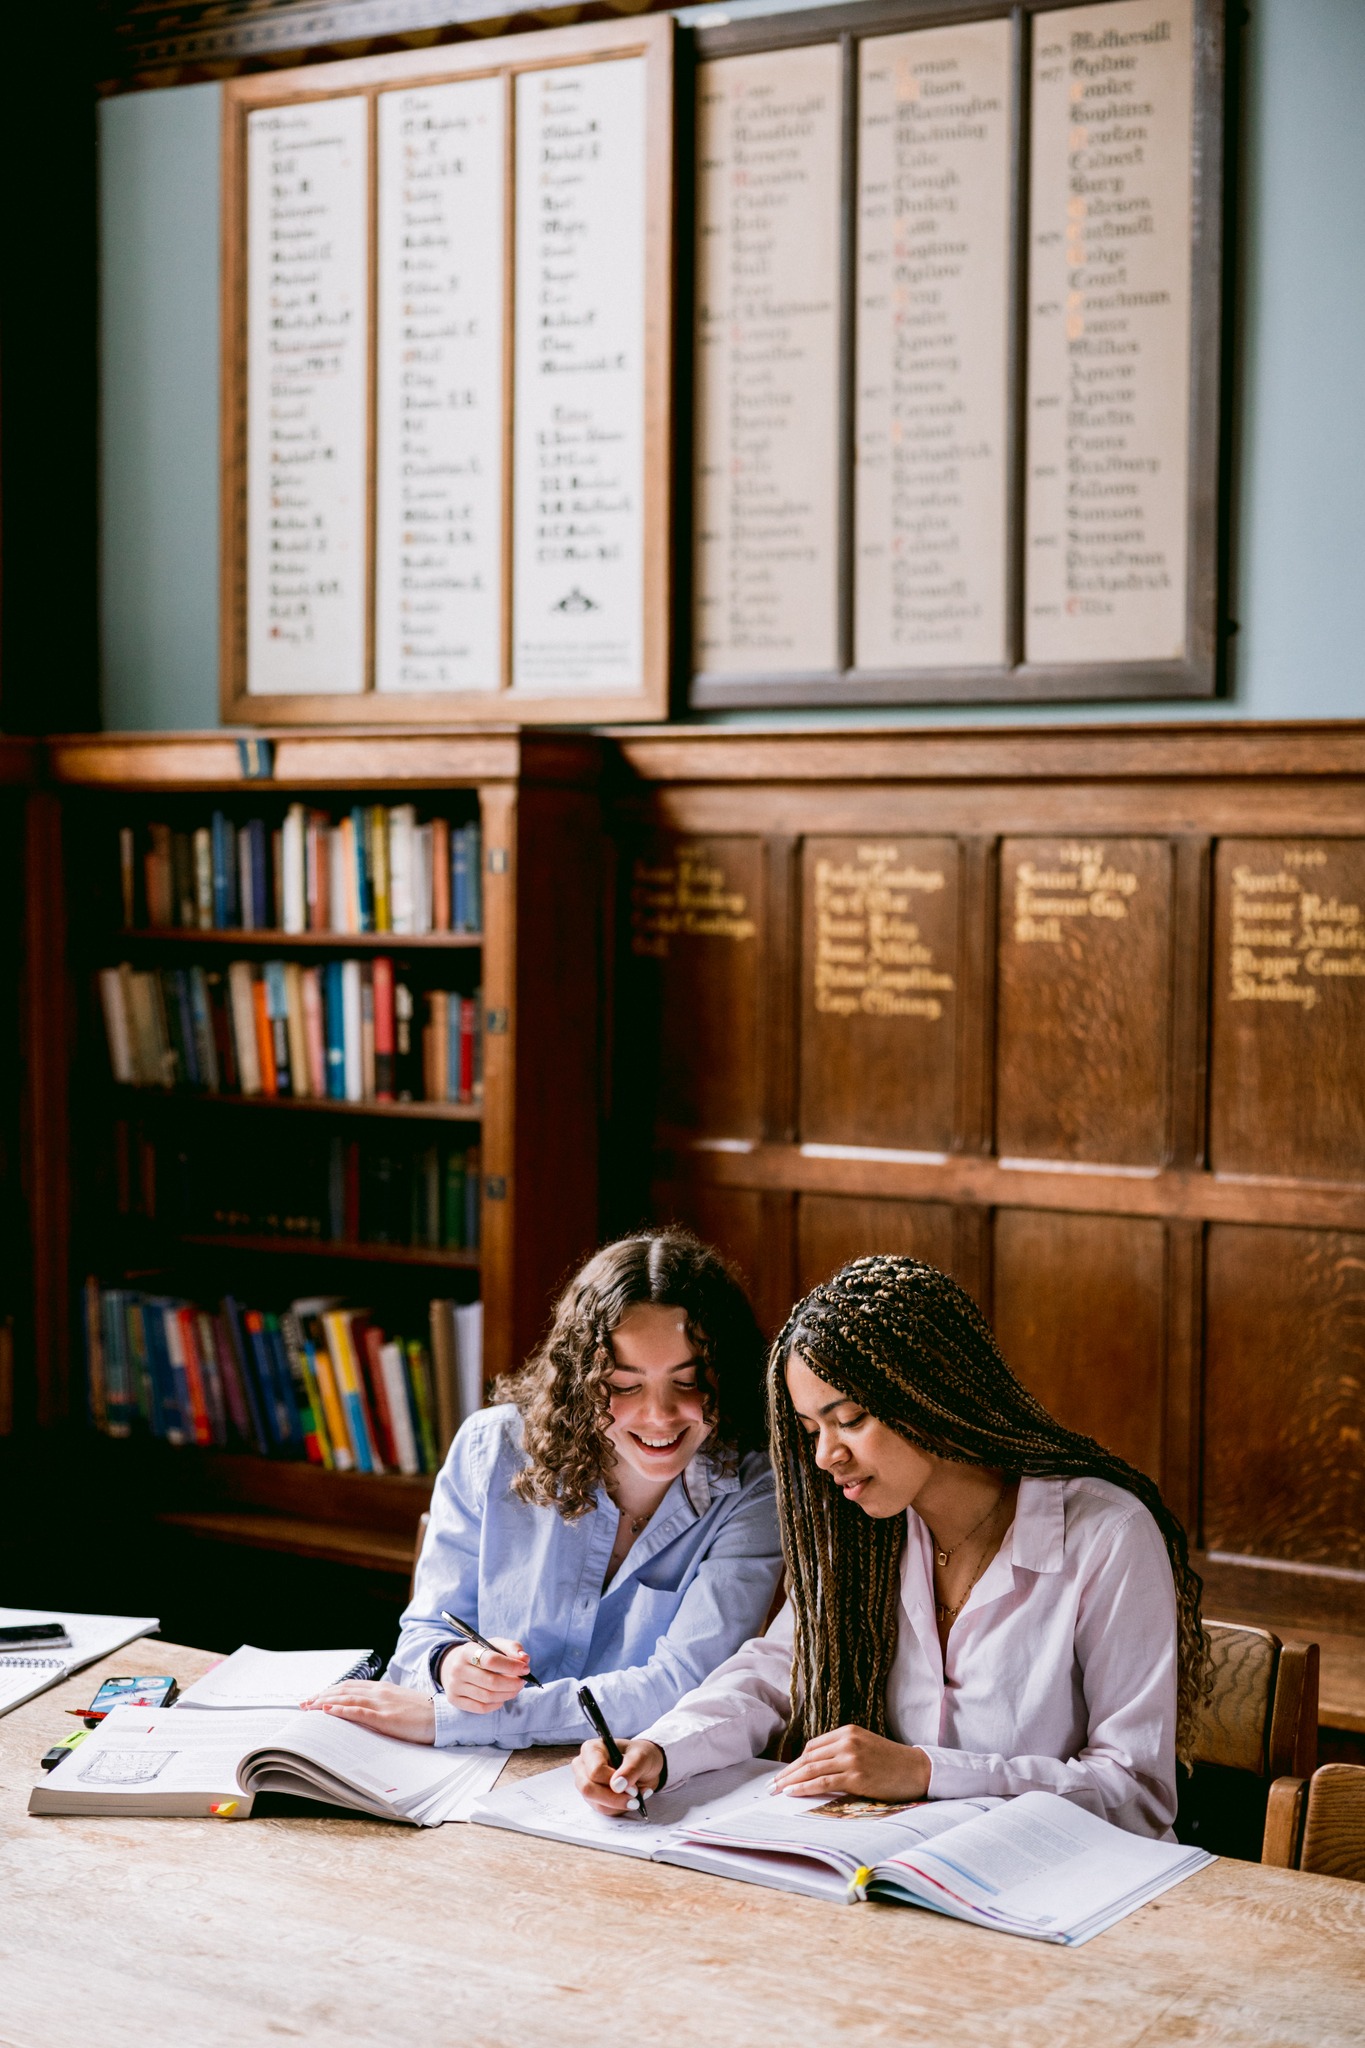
<point>377,869</point>
<point>393,1188</point>
<point>318,1380</point>
<point>349,1031</point>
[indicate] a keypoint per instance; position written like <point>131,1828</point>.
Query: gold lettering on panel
<point>1084,884</point>
<point>690,897</point>
<point>871,957</point>
<point>1286,937</point>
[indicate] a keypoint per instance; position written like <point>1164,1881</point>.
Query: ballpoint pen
<point>483,1643</point>
<point>608,1740</point>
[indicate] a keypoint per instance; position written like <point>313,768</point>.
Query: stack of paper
<point>252,1678</point>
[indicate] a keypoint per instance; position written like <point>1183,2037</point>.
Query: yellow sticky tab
<point>858,1884</point>
<point>223,1809</point>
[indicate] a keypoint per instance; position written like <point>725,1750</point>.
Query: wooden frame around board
<point>507,58</point>
<point>1016,680</point>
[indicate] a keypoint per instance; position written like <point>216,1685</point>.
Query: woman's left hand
<point>855,1760</point>
<point>389,1709</point>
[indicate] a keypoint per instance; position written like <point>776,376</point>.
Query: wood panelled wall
<point>1079,1017</point>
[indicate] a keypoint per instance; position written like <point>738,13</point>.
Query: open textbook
<point>27,1672</point>
<point>190,1766</point>
<point>1035,1865</point>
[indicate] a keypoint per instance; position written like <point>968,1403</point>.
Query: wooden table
<point>353,1932</point>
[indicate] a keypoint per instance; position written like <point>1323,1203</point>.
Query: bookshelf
<point>220,1159</point>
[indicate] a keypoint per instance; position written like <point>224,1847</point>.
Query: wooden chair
<point>1259,1723</point>
<point>423,1523</point>
<point>1318,1823</point>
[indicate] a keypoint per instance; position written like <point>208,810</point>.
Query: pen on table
<point>483,1643</point>
<point>608,1741</point>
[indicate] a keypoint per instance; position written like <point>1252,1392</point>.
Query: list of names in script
<point>1109,333</point>
<point>931,489</point>
<point>439,454</point>
<point>579,432</point>
<point>766,563</point>
<point>307,378</point>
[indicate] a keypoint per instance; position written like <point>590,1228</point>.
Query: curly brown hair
<point>562,1389</point>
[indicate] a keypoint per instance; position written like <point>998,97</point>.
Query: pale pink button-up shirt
<point>1061,1668</point>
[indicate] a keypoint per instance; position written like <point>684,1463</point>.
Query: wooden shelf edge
<point>327,1248</point>
<point>331,1542</point>
<point>413,1112</point>
<point>367,942</point>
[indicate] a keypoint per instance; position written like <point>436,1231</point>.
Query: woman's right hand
<point>641,1767</point>
<point>477,1682</point>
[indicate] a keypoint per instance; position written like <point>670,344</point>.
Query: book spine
<point>97,1390</point>
<point>265,1040</point>
<point>423,902</point>
<point>469,1024</point>
<point>314,1031</point>
<point>176,1425</point>
<point>360,854</point>
<point>234,1393</point>
<point>443,1375</point>
<point>440,874</point>
<point>402,820</point>
<point>215,1394</point>
<point>205,1048</point>
<point>379,859</point>
<point>324,1365</point>
<point>292,1417</point>
<point>454,1218</point>
<point>391,1370</point>
<point>277,877</point>
<point>156,869</point>
<point>243,997</point>
<point>116,1029</point>
<point>475,867</point>
<point>369,1342</point>
<point>139,1362</point>
<point>308,1360</point>
<point>288,1339</point>
<point>366,1032</point>
<point>423,1402</point>
<point>260,875</point>
<point>220,1024</point>
<point>183,1340</point>
<point>243,1352</point>
<point>407,1063</point>
<point>169,1315</point>
<point>459,880</point>
<point>382,976</point>
<point>295,883</point>
<point>335,1009</point>
<point>352,1393</point>
<point>473,1190</point>
<point>127,875</point>
<point>350,1006</point>
<point>299,1076</point>
<point>246,900</point>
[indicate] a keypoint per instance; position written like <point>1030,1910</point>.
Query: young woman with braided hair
<point>610,1520</point>
<point>981,1601</point>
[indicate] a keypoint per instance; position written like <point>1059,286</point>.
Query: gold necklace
<point>950,1614</point>
<point>943,1555</point>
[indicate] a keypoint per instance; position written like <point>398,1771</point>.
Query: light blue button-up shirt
<point>698,1581</point>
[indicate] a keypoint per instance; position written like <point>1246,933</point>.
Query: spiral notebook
<point>26,1673</point>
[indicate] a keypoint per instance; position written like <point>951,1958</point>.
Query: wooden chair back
<point>1259,1722</point>
<point>423,1524</point>
<point>1318,1823</point>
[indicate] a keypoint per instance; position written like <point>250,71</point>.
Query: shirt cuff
<point>954,1774</point>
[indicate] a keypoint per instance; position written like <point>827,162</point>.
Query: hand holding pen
<point>486,1674</point>
<point>622,1779</point>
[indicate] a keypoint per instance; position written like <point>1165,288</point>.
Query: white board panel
<point>931,422</point>
<point>306,384</point>
<point>439,452</point>
<point>1106,543</point>
<point>766,569</point>
<point>579,431</point>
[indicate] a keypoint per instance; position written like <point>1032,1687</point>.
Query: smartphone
<point>128,1692</point>
<point>37,1635</point>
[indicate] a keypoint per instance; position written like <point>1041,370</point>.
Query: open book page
<point>154,1760</point>
<point>846,1833</point>
<point>551,1805</point>
<point>1038,1864</point>
<point>269,1678</point>
<point>24,1673</point>
<point>319,1755</point>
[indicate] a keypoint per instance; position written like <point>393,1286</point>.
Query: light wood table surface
<point>353,1932</point>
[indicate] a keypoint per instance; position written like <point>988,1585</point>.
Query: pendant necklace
<point>942,1555</point>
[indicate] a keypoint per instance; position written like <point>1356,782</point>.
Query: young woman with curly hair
<point>981,1601</point>
<point>611,1521</point>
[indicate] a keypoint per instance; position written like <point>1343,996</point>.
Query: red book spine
<point>194,1374</point>
<point>383,1030</point>
<point>440,875</point>
<point>265,1039</point>
<point>369,1342</point>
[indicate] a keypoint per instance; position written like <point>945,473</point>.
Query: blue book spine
<point>177,1427</point>
<point>185,1009</point>
<point>222,871</point>
<point>453,1009</point>
<point>246,1370</point>
<point>475,867</point>
<point>291,1426</point>
<point>334,1019</point>
<point>459,879</point>
<point>364,882</point>
<point>260,877</point>
<point>360,1436</point>
<point>276,1424</point>
<point>139,1320</point>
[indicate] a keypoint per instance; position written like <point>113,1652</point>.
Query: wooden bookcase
<point>537,962</point>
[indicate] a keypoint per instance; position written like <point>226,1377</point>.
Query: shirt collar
<point>1039,1538</point>
<point>706,1476</point>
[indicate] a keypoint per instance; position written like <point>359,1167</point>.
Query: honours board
<point>447,382</point>
<point>956,337</point>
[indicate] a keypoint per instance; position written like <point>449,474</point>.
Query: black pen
<point>607,1739</point>
<point>483,1643</point>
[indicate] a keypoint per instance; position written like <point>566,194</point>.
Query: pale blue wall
<point>1299,568</point>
